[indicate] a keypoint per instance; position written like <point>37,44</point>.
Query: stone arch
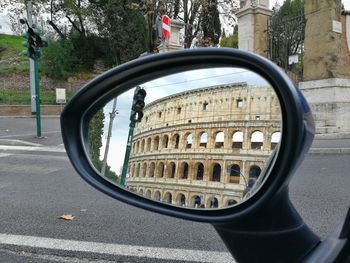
<point>168,198</point>
<point>156,143</point>
<point>237,140</point>
<point>152,169</point>
<point>195,201</point>
<point>140,191</point>
<point>148,193</point>
<point>143,145</point>
<point>144,169</point>
<point>148,144</point>
<point>171,170</point>
<point>219,139</point>
<point>254,171</point>
<point>138,170</point>
<point>275,138</point>
<point>137,147</point>
<point>160,169</point>
<point>184,170</point>
<point>156,195</point>
<point>176,141</point>
<point>199,171</point>
<point>133,167</point>
<point>231,202</point>
<point>212,202</point>
<point>216,172</point>
<point>235,173</point>
<point>165,141</point>
<point>181,199</point>
<point>203,139</point>
<point>257,140</point>
<point>188,141</point>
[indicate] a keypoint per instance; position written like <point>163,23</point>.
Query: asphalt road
<point>37,188</point>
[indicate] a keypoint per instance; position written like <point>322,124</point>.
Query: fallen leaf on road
<point>66,217</point>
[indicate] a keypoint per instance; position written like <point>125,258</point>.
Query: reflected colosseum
<point>200,148</point>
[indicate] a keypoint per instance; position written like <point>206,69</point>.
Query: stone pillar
<point>326,84</point>
<point>252,26</point>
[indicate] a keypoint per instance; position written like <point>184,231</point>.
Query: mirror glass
<point>199,139</point>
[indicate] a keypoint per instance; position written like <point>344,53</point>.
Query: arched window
<point>176,140</point>
<point>143,145</point>
<point>156,143</point>
<point>219,139</point>
<point>141,191</point>
<point>138,170</point>
<point>137,146</point>
<point>160,170</point>
<point>231,202</point>
<point>237,140</point>
<point>144,169</point>
<point>156,196</point>
<point>148,193</point>
<point>195,201</point>
<point>257,140</point>
<point>151,169</point>
<point>165,141</point>
<point>203,140</point>
<point>189,141</point>
<point>213,202</point>
<point>181,200</point>
<point>168,198</point>
<point>275,138</point>
<point>184,171</point>
<point>235,173</point>
<point>133,170</point>
<point>254,171</point>
<point>172,170</point>
<point>216,173</point>
<point>148,144</point>
<point>199,171</point>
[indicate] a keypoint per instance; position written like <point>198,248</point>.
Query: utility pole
<point>31,64</point>
<point>111,119</point>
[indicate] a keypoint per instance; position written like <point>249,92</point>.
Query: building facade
<point>199,148</point>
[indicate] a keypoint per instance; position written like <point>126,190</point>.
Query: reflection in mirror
<point>198,139</point>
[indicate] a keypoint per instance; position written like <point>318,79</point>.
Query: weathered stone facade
<point>325,56</point>
<point>196,146</point>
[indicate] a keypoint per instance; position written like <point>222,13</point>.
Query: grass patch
<point>22,97</point>
<point>11,46</point>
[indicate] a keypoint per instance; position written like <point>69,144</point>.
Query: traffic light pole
<point>127,155</point>
<point>37,98</point>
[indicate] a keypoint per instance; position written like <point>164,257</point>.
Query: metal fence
<point>286,43</point>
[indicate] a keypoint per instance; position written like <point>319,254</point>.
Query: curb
<point>29,116</point>
<point>329,151</point>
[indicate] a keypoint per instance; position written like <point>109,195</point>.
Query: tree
<point>210,23</point>
<point>122,24</point>
<point>286,32</point>
<point>230,41</point>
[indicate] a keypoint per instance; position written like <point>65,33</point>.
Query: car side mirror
<point>211,135</point>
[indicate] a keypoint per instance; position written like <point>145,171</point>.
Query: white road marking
<point>33,148</point>
<point>27,134</point>
<point>118,250</point>
<point>14,141</point>
<point>5,154</point>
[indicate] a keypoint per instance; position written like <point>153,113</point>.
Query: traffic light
<point>34,43</point>
<point>138,104</point>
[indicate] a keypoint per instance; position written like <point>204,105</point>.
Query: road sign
<point>166,27</point>
<point>60,96</point>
